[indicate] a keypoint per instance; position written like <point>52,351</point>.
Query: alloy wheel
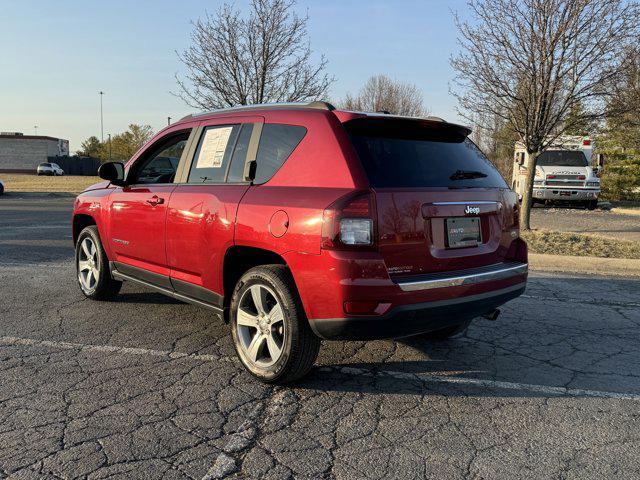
<point>260,326</point>
<point>88,267</point>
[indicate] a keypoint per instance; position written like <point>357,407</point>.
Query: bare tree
<point>381,93</point>
<point>531,62</point>
<point>265,57</point>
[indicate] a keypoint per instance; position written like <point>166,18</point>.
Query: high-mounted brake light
<point>349,223</point>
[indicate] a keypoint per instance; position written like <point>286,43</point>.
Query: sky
<point>56,56</point>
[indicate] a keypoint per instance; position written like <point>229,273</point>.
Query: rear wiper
<point>465,174</point>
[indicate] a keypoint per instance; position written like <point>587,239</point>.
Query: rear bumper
<point>565,193</point>
<point>413,319</point>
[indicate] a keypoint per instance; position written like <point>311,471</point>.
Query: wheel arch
<point>80,222</point>
<point>238,259</point>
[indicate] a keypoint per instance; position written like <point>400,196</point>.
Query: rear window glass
<point>408,154</point>
<point>45,164</point>
<point>277,142</point>
<point>562,158</point>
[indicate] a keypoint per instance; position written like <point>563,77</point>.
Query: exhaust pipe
<point>492,315</point>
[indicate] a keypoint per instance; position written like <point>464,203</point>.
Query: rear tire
<point>269,328</point>
<point>592,204</point>
<point>92,267</point>
<point>446,333</point>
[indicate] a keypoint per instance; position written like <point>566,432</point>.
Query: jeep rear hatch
<point>441,205</point>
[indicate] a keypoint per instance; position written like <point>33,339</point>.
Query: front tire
<point>92,267</point>
<point>269,328</point>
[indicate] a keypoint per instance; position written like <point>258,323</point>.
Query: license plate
<point>565,194</point>
<point>463,232</point>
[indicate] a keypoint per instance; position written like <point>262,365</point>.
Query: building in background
<point>23,153</point>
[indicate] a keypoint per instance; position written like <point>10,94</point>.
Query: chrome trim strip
<point>471,279</point>
<point>463,203</point>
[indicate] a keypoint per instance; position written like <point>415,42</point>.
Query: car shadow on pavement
<point>580,338</point>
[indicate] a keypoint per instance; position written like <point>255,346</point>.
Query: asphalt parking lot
<point>147,387</point>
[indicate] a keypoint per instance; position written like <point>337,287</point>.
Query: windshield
<point>423,157</point>
<point>562,158</point>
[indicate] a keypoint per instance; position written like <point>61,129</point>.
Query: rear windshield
<point>562,158</point>
<point>415,155</point>
<point>45,164</point>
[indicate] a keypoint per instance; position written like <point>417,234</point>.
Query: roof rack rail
<point>320,105</point>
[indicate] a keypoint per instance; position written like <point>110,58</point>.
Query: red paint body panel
<point>411,225</point>
<point>187,237</point>
<point>136,228</point>
<point>200,229</point>
<point>328,280</point>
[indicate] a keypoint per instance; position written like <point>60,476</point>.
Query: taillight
<point>582,177</point>
<point>586,142</point>
<point>516,215</point>
<point>550,177</point>
<point>349,223</point>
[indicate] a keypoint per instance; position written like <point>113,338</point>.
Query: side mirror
<point>113,172</point>
<point>250,170</point>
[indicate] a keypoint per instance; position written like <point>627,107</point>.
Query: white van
<point>564,172</point>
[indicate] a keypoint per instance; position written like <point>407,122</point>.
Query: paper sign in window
<point>213,147</point>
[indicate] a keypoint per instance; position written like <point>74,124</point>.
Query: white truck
<point>565,172</point>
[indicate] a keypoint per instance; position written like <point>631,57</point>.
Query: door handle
<point>155,200</point>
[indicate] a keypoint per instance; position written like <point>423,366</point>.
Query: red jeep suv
<point>300,222</point>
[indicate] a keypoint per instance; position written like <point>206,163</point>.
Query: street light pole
<point>101,119</point>
<point>109,147</point>
<point>168,120</point>
<point>36,129</point>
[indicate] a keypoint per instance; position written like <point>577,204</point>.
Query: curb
<point>616,267</point>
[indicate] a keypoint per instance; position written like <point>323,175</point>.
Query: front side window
<point>213,154</point>
<point>277,142</point>
<point>161,163</point>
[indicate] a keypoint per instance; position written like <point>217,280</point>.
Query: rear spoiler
<point>404,127</point>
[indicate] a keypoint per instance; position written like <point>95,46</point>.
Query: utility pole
<point>101,119</point>
<point>109,147</point>
<point>168,120</point>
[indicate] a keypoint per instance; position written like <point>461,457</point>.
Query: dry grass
<point>25,182</point>
<point>580,245</point>
<point>626,211</point>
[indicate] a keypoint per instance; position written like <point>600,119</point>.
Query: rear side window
<point>277,142</point>
<point>213,154</point>
<point>236,170</point>
<point>411,155</point>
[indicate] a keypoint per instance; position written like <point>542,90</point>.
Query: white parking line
<point>107,349</point>
<point>580,301</point>
<point>40,227</point>
<point>421,377</point>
